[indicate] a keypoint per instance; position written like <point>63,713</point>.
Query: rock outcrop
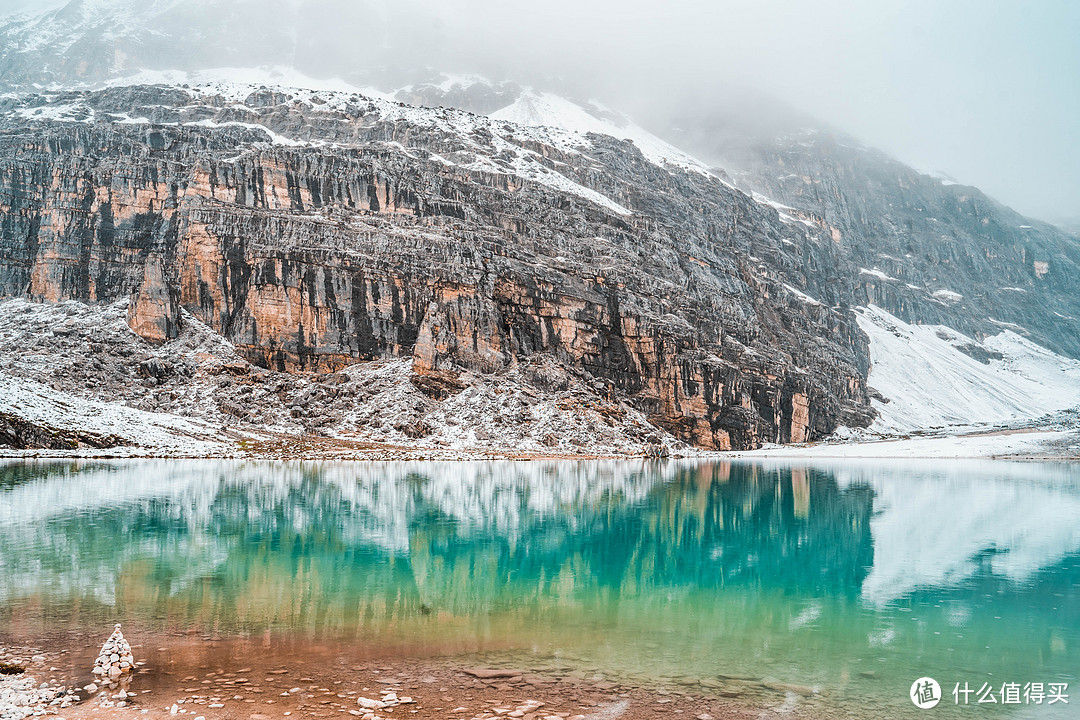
<point>16,432</point>
<point>317,230</point>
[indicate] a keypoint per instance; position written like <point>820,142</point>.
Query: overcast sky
<point>987,91</point>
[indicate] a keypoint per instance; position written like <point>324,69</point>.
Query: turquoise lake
<point>854,578</point>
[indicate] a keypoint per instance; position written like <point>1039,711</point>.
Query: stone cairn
<point>115,660</point>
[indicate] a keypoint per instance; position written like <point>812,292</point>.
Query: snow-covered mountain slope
<point>273,76</point>
<point>543,109</point>
<point>79,368</point>
<point>42,405</point>
<point>937,378</point>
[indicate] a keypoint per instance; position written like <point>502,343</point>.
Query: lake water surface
<point>853,578</point>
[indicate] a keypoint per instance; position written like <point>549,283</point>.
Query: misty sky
<point>985,90</point>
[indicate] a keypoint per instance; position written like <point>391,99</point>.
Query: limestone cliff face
<point>316,230</point>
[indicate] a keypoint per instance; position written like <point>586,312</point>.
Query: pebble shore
<point>201,678</point>
<point>22,696</point>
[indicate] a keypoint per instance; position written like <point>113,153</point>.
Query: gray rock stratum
<point>315,230</point>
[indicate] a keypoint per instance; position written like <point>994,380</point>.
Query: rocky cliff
<point>925,248</point>
<point>317,230</point>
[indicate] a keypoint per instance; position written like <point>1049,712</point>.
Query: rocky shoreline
<point>21,696</point>
<point>214,679</point>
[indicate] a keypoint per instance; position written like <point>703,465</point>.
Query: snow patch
<point>876,273</point>
<point>931,384</point>
<point>43,405</point>
<point>275,138</point>
<point>801,295</point>
<point>58,112</point>
<point>542,109</point>
<point>948,296</point>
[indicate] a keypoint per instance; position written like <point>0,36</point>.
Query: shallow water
<point>853,578</point>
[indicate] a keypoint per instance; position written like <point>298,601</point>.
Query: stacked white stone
<point>115,658</point>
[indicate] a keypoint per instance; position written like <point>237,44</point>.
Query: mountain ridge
<point>668,304</point>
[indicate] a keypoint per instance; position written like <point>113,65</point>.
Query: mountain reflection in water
<point>807,573</point>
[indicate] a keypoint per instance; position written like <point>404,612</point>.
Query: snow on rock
<point>504,151</point>
<point>542,109</point>
<point>275,138</point>
<point>787,213</point>
<point>876,273</point>
<point>78,367</point>
<point>58,112</point>
<point>266,75</point>
<point>948,296</point>
<point>508,413</point>
<point>801,295</point>
<point>487,145</point>
<point>42,405</point>
<point>932,383</point>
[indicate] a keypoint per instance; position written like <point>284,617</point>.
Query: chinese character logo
<point>925,693</point>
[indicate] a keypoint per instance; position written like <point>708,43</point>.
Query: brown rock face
<point>419,236</point>
<point>154,311</point>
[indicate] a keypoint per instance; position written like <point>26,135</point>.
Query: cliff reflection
<point>250,546</point>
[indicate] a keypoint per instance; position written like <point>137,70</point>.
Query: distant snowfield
<point>271,75</point>
<point>1004,444</point>
<point>933,385</point>
<point>961,407</point>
